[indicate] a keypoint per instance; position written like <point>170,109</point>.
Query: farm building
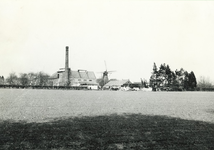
<point>76,78</point>
<point>68,77</point>
<point>117,84</point>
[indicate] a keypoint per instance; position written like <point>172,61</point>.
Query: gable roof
<point>117,83</point>
<point>76,74</point>
<point>83,74</point>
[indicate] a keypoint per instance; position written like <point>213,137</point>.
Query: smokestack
<point>66,66</point>
<point>66,58</point>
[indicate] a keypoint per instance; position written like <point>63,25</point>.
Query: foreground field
<point>61,119</point>
<point>44,105</point>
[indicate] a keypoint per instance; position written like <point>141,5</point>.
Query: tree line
<point>26,79</point>
<point>162,78</point>
<point>166,79</point>
<point>205,84</point>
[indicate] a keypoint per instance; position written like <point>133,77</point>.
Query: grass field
<point>64,119</point>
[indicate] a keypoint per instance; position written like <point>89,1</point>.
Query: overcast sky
<point>129,35</point>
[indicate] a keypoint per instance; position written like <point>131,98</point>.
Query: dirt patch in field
<point>127,131</point>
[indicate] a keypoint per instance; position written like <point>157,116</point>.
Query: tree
<point>32,78</point>
<point>186,81</point>
<point>162,69</point>
<point>1,80</point>
<point>24,79</point>
<point>42,79</point>
<point>164,79</point>
<point>144,83</point>
<point>162,76</point>
<point>175,83</point>
<point>204,82</point>
<point>169,74</point>
<point>180,78</point>
<point>12,79</point>
<point>155,69</point>
<point>192,81</point>
<point>153,78</point>
<point>100,81</point>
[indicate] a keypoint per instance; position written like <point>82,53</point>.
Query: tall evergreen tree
<point>162,76</point>
<point>153,78</point>
<point>186,80</point>
<point>169,75</point>
<point>168,70</point>
<point>155,68</point>
<point>192,81</point>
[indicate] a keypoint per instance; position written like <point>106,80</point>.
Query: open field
<point>41,105</point>
<point>64,119</point>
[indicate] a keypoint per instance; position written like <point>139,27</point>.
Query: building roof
<point>83,74</point>
<point>91,75</point>
<point>76,74</point>
<point>117,83</point>
<point>54,76</point>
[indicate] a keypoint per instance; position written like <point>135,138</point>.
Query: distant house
<point>117,84</point>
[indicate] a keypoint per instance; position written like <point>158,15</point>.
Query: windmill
<point>105,78</point>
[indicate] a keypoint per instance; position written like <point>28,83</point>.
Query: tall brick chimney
<point>66,65</point>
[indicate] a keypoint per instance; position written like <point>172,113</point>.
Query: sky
<point>129,35</point>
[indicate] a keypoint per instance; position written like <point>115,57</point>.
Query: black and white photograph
<point>106,75</point>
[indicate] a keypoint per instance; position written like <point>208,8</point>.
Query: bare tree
<point>204,82</point>
<point>42,79</point>
<point>12,79</point>
<point>1,80</point>
<point>32,78</point>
